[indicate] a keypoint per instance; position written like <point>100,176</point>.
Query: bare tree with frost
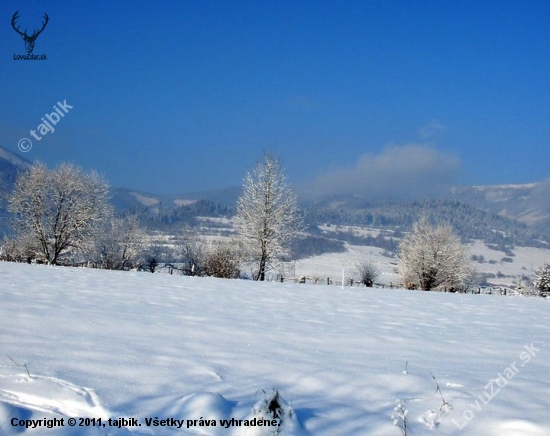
<point>267,217</point>
<point>120,244</point>
<point>366,273</point>
<point>58,211</point>
<point>432,257</point>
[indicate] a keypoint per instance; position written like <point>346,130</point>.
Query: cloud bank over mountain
<point>398,173</point>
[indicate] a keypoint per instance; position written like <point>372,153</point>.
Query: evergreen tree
<point>542,282</point>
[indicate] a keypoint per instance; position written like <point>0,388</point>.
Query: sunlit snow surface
<point>103,344</point>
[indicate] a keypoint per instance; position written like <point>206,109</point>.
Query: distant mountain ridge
<point>10,166</point>
<point>468,221</point>
<point>520,211</point>
<point>124,199</point>
<point>9,157</point>
<point>527,203</point>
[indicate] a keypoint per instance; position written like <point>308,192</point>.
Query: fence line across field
<point>327,280</point>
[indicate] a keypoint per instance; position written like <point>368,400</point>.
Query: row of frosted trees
<point>64,216</point>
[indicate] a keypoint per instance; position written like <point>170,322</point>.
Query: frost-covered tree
<point>432,257</point>
<point>58,211</point>
<point>267,217</point>
<point>191,255</point>
<point>521,288</point>
<point>470,282</point>
<point>542,282</point>
<point>153,256</point>
<point>19,248</point>
<point>120,244</point>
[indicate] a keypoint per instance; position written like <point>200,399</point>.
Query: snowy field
<point>101,344</point>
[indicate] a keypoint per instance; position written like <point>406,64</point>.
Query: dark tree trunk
<point>261,273</point>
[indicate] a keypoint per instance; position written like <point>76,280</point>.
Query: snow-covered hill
<point>150,347</point>
<point>7,157</point>
<point>527,203</point>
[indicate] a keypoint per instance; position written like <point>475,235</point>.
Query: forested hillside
<point>469,222</point>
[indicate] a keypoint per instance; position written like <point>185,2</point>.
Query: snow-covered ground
<point>101,344</point>
<point>524,262</point>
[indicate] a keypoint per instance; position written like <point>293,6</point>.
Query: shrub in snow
<point>191,256</point>
<point>223,260</point>
<point>445,407</point>
<point>21,248</point>
<point>152,257</point>
<point>524,287</point>
<point>430,418</point>
<point>366,273</point>
<point>273,407</point>
<point>219,259</point>
<point>399,417</point>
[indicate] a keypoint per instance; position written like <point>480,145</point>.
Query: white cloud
<point>398,173</point>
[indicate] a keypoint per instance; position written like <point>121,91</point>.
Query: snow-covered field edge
<point>145,347</point>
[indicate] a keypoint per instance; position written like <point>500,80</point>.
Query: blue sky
<point>180,96</point>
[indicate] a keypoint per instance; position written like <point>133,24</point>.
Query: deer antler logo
<point>29,40</point>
